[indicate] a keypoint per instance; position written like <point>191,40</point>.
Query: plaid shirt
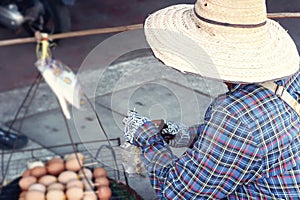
<point>247,148</point>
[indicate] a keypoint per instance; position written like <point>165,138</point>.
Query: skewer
<point>283,15</point>
<point>73,34</point>
<point>117,29</point>
<point>90,164</point>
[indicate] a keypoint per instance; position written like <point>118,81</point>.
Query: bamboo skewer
<point>73,34</point>
<point>117,29</point>
<point>283,15</point>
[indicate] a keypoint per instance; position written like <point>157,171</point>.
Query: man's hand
<point>132,122</point>
<point>176,135</point>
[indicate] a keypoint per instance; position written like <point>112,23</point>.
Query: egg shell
<point>55,168</point>
<point>74,193</point>
<point>26,182</point>
<point>47,180</point>
<point>34,195</point>
<point>66,176</point>
<point>85,173</point>
<point>38,187</point>
<point>35,164</point>
<point>89,196</point>
<point>75,183</point>
<point>78,155</point>
<point>56,186</point>
<point>55,195</point>
<point>99,171</point>
<point>27,172</point>
<point>104,193</point>
<point>74,164</point>
<point>55,160</point>
<point>101,181</point>
<point>38,171</point>
<point>22,194</point>
<point>88,184</point>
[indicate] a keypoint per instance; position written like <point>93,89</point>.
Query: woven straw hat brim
<point>256,56</point>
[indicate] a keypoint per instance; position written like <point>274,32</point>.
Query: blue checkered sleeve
<point>247,148</point>
<point>226,157</point>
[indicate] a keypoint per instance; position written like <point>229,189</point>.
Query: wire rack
<point>101,153</point>
<point>97,154</point>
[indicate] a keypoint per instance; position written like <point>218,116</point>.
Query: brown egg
<point>21,198</point>
<point>56,186</point>
<point>55,168</point>
<point>66,176</point>
<point>38,171</point>
<point>22,194</point>
<point>85,173</point>
<point>47,180</point>
<point>78,155</point>
<point>38,187</point>
<point>26,182</point>
<point>27,172</point>
<point>35,164</point>
<point>55,160</point>
<point>104,193</point>
<point>75,183</point>
<point>101,181</point>
<point>99,171</point>
<point>74,193</point>
<point>34,195</point>
<point>88,184</point>
<point>55,195</point>
<point>74,164</point>
<point>89,196</point>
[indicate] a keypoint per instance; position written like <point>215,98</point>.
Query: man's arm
<point>223,157</point>
<point>179,135</point>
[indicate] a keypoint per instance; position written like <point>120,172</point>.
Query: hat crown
<point>248,12</point>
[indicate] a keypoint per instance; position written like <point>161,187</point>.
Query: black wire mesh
<point>97,154</point>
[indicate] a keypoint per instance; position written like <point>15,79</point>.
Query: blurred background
<point>16,62</point>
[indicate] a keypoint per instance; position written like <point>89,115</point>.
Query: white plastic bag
<point>131,159</point>
<point>62,81</point>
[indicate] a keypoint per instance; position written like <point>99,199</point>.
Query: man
<point>248,146</point>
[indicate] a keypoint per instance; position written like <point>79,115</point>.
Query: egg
<point>85,173</point>
<point>74,164</point>
<point>78,155</point>
<point>75,183</point>
<point>89,196</point>
<point>35,164</point>
<point>56,186</point>
<point>38,187</point>
<point>74,193</point>
<point>99,171</point>
<point>101,181</point>
<point>21,198</point>
<point>26,182</point>
<point>38,171</point>
<point>66,176</point>
<point>104,193</point>
<point>55,160</point>
<point>47,180</point>
<point>88,184</point>
<point>55,195</point>
<point>55,168</point>
<point>34,195</point>
<point>27,172</point>
<point>22,194</point>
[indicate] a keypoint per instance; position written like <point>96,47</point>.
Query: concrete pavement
<point>154,93</point>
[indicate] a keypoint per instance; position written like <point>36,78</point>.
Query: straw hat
<point>227,40</point>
